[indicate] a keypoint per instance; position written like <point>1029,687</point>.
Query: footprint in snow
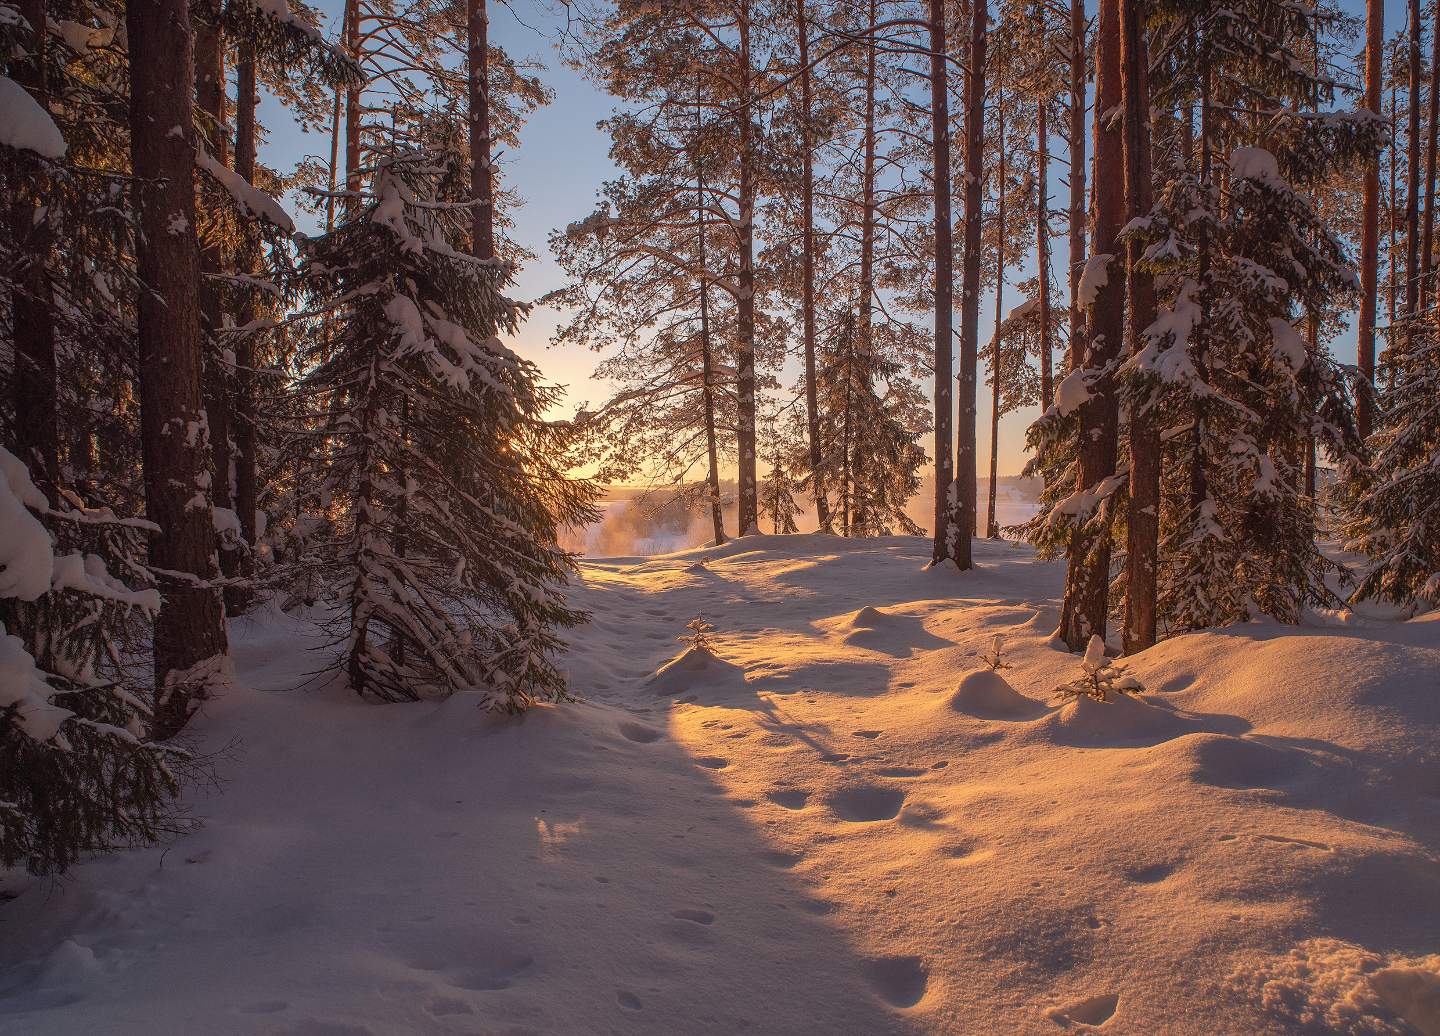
<point>698,916</point>
<point>628,1000</point>
<point>789,799</point>
<point>837,757</point>
<point>1097,1010</point>
<point>866,804</point>
<point>870,734</point>
<point>712,762</point>
<point>640,734</point>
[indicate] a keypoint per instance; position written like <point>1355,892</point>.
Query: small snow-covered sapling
<point>1098,677</point>
<point>700,630</point>
<point>996,659</point>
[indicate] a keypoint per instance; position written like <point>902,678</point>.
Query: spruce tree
<point>425,435</point>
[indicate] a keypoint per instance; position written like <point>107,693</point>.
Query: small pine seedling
<point>1098,677</point>
<point>996,659</point>
<point>700,630</point>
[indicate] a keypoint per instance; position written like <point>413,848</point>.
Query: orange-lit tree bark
<point>992,528</point>
<point>967,411</point>
<point>189,630</point>
<point>1427,293</point>
<point>1088,585</point>
<point>748,158</point>
<point>1370,217</point>
<point>247,458</point>
<point>1142,545</point>
<point>1412,155</point>
<point>1042,249</point>
<point>807,300</point>
<point>482,182</point>
<point>947,544</point>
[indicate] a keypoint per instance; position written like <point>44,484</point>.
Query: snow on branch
<point>253,202</point>
<point>24,124</point>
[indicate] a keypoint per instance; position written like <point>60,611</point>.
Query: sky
<point>560,167</point>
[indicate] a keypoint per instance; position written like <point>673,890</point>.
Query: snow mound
<point>988,695</point>
<point>868,618</point>
<point>1124,717</point>
<point>698,666</point>
<point>1227,762</point>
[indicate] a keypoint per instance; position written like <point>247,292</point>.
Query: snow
<point>26,560</point>
<point>1253,163</point>
<point>1072,392</point>
<point>23,687</point>
<point>24,124</point>
<point>253,202</point>
<point>1094,277</point>
<point>834,819</point>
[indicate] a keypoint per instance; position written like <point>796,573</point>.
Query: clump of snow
<point>1072,392</point>
<point>24,124</point>
<point>26,557</point>
<point>1095,276</point>
<point>24,688</point>
<point>1253,163</point>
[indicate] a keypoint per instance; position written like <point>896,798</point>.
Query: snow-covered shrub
<point>1098,677</point>
<point>75,775</point>
<point>423,442</point>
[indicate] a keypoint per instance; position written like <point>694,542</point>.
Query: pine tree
<point>871,456</point>
<point>75,775</point>
<point>427,435</point>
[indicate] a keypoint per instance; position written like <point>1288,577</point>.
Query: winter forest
<point>463,698</point>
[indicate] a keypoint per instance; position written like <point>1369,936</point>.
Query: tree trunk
<point>745,322</point>
<point>482,182</point>
<point>352,108</point>
<point>36,431</point>
<point>189,630</point>
<point>334,161</point>
<point>210,98</point>
<point>1078,162</point>
<point>966,415</point>
<point>867,195</point>
<point>992,528</point>
<point>1088,592</point>
<point>1142,546</point>
<point>1433,124</point>
<point>1412,201</point>
<point>707,390</point>
<point>807,304</point>
<point>1370,216</point>
<point>1042,252</point>
<point>946,536</point>
<point>247,458</point>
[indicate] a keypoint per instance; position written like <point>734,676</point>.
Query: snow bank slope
<point>817,833</point>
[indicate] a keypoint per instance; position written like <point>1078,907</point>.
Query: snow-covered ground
<point>813,832</point>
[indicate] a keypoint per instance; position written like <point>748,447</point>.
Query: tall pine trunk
<point>247,450</point>
<point>1412,200</point>
<point>807,304</point>
<point>867,195</point>
<point>352,108</point>
<point>946,544</point>
<point>992,528</point>
<point>745,321</point>
<point>967,412</point>
<point>1077,222</point>
<point>1142,546</point>
<point>36,431</point>
<point>219,399</point>
<point>482,182</point>
<point>189,629</point>
<point>1087,590</point>
<point>1370,217</point>
<point>707,375</point>
<point>1432,125</point>
<point>1042,252</point>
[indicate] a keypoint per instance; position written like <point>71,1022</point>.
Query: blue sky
<point>560,167</point>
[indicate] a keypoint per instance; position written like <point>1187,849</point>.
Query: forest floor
<point>810,832</point>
